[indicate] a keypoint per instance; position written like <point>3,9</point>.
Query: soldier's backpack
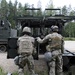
<point>56,41</point>
<point>25,45</point>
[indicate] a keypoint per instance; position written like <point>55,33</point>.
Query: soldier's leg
<point>22,63</point>
<point>52,68</point>
<point>21,71</point>
<point>48,67</point>
<point>59,65</point>
<point>30,64</point>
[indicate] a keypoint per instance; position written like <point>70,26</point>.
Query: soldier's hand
<point>38,39</point>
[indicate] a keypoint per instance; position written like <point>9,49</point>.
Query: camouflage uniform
<point>55,46</point>
<point>26,48</point>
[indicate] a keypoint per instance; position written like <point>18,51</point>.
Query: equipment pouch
<point>16,60</point>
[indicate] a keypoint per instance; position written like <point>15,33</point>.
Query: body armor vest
<point>25,45</point>
<point>56,41</point>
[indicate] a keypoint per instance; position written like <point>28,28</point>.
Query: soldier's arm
<point>44,39</point>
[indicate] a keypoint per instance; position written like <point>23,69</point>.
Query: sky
<point>56,3</point>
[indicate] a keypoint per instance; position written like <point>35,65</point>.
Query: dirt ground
<point>7,64</point>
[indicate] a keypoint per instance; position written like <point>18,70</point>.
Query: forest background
<point>10,11</point>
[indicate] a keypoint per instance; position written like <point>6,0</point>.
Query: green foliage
<point>69,29</point>
<point>12,10</point>
<point>15,73</point>
<point>2,72</point>
<point>68,38</point>
<point>26,12</point>
<point>26,73</point>
<point>3,9</point>
<point>39,12</point>
<point>64,10</point>
<point>50,6</point>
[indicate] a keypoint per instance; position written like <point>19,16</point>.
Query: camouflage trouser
<point>56,63</point>
<point>23,60</point>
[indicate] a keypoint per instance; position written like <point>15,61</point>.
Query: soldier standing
<point>56,48</point>
<point>25,50</point>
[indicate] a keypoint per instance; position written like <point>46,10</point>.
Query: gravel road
<point>7,64</point>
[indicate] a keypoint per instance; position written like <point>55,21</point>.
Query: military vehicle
<point>40,26</point>
<point>5,32</point>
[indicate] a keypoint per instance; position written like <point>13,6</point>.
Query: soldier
<point>25,51</point>
<point>55,46</point>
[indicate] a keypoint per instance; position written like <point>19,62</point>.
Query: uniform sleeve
<point>45,39</point>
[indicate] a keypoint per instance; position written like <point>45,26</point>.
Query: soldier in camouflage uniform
<point>25,50</point>
<point>55,46</point>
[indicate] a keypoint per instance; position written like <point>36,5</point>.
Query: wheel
<point>2,48</point>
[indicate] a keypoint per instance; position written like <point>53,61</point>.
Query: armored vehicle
<point>40,26</point>
<point>5,32</point>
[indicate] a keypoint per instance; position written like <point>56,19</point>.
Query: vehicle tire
<point>2,48</point>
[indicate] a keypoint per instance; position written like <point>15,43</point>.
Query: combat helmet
<point>48,56</point>
<point>27,29</point>
<point>54,28</point>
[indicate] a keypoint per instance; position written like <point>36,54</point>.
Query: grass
<point>15,73</point>
<point>40,73</point>
<point>2,72</point>
<point>69,39</point>
<point>26,73</point>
